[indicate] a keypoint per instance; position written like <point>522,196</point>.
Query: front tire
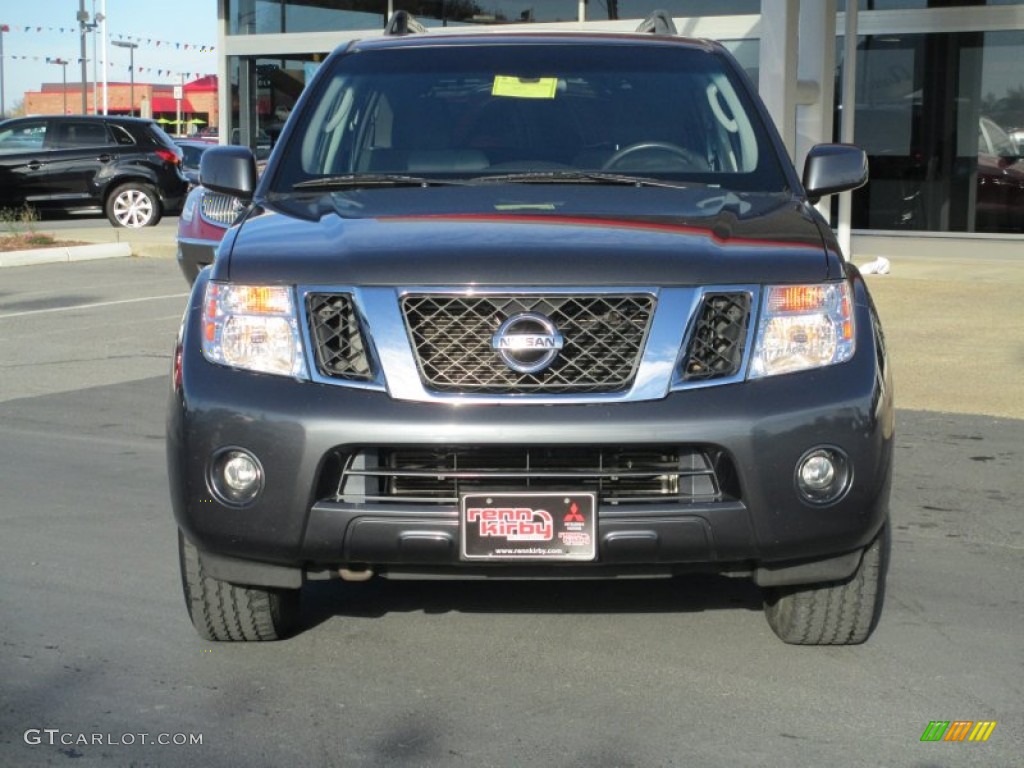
<point>223,611</point>
<point>843,613</point>
<point>134,205</point>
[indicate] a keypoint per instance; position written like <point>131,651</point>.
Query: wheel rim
<point>133,208</point>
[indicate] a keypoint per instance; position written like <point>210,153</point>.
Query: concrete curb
<point>154,250</point>
<point>64,254</point>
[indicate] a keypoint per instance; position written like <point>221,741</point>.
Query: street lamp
<point>92,26</point>
<point>131,67</point>
<point>64,69</point>
<point>3,108</point>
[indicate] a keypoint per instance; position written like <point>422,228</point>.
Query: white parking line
<point>92,306</point>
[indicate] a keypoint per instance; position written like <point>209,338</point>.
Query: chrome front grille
<point>719,337</point>
<point>603,335</point>
<point>619,474</point>
<point>219,208</point>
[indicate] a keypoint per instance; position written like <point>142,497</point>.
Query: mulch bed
<point>27,241</point>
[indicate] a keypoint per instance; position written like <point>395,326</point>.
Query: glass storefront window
<point>269,87</point>
<point>941,117</point>
<point>748,56</point>
<point>263,17</point>
<point>902,5</point>
<point>603,10</point>
<point>452,12</point>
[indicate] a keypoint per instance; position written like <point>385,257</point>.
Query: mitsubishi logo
<point>573,515</point>
<point>528,342</point>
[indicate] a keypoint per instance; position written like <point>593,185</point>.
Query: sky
<point>161,28</point>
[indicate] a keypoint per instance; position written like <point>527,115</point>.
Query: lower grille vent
<point>620,475</point>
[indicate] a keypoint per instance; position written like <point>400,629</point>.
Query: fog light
<point>236,476</point>
<point>823,475</point>
<point>817,473</point>
<point>241,474</point>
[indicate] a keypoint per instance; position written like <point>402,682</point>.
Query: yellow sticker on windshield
<point>525,87</point>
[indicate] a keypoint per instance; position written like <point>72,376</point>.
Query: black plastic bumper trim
<point>832,569</point>
<point>251,572</point>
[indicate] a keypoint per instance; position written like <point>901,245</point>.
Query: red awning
<point>167,104</point>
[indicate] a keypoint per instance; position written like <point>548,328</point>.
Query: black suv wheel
<point>133,205</point>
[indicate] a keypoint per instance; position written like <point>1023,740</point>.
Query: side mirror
<point>230,170</point>
<point>832,168</point>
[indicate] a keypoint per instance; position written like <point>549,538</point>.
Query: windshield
<point>507,112</point>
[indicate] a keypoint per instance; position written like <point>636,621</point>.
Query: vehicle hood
<point>527,237</point>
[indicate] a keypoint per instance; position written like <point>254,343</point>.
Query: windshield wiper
<point>374,180</point>
<point>576,177</point>
<point>350,180</point>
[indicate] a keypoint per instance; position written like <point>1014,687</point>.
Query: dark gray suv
<point>531,305</point>
<point>127,168</point>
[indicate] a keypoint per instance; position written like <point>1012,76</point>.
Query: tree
<point>17,109</point>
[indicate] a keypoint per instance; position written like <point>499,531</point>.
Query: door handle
<point>35,165</point>
<point>105,158</point>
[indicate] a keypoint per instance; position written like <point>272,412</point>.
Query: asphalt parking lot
<point>96,643</point>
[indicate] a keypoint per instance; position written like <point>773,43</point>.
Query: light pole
<point>103,58</point>
<point>64,69</point>
<point>131,68</point>
<point>3,108</point>
<point>92,26</point>
<point>83,26</point>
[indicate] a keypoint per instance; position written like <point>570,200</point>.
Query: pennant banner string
<point>138,39</point>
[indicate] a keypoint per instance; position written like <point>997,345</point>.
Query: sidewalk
<point>150,242</point>
<point>102,242</point>
<point>953,327</point>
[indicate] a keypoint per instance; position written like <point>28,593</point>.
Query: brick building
<point>199,107</point>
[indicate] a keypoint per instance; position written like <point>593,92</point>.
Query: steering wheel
<point>690,159</point>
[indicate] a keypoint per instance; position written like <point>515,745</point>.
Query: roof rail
<point>403,23</point>
<point>658,23</point>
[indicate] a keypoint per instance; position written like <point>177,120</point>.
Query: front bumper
<point>299,527</point>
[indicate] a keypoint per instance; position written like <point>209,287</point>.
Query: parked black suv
<point>518,305</point>
<point>126,167</point>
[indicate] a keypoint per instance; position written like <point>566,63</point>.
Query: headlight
<point>253,327</point>
<point>803,326</point>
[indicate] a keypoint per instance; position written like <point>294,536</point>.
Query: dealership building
<point>936,88</point>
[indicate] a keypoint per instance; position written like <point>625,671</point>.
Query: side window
<point>121,136</point>
<point>74,135</point>
<point>23,137</point>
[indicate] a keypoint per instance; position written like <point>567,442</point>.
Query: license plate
<point>528,526</point>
